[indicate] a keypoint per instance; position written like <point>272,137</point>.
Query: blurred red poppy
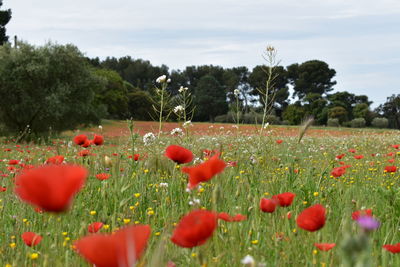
<point>340,156</point>
<point>31,239</point>
<point>338,171</point>
<point>268,205</point>
<point>80,139</point>
<point>324,246</point>
<point>228,218</point>
<point>279,141</point>
<point>358,156</point>
<point>84,153</point>
<point>179,154</point>
<point>312,218</point>
<point>98,140</point>
<point>204,171</point>
<point>95,227</point>
<point>358,213</point>
<point>13,162</point>
<point>195,228</point>
<point>122,248</point>
<point>284,199</point>
<point>392,248</point>
<point>136,157</point>
<point>103,176</point>
<point>352,150</point>
<point>50,187</point>
<point>55,160</point>
<point>390,169</point>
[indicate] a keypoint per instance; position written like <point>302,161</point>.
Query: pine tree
<point>5,16</point>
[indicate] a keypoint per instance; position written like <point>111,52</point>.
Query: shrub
<point>358,123</point>
<point>46,89</point>
<point>333,122</point>
<point>380,123</point>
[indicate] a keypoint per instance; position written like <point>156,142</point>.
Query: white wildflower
<point>266,125</point>
<point>236,92</point>
<point>182,89</point>
<point>163,184</point>
<point>248,260</point>
<point>169,80</point>
<point>161,79</point>
<point>187,124</point>
<point>100,127</point>
<point>177,132</point>
<point>178,109</point>
<point>195,201</point>
<point>148,138</point>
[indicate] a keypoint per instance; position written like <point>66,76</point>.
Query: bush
<point>333,122</point>
<point>380,123</point>
<point>46,89</point>
<point>358,123</point>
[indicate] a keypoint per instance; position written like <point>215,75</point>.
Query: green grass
<point>270,238</point>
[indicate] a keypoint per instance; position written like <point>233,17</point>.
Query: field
<point>152,190</point>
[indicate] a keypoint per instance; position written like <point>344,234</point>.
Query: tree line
<point>55,87</point>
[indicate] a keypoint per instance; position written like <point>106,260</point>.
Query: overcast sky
<point>360,39</point>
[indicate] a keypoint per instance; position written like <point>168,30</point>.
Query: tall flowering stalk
<point>265,93</point>
<point>184,109</point>
<point>236,93</point>
<point>163,100</point>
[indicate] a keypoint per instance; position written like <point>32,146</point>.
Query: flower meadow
<point>230,198</point>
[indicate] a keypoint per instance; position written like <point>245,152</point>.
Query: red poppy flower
<point>95,227</point>
<point>279,141</point>
<point>340,156</point>
<point>228,218</point>
<point>84,153</point>
<point>284,199</point>
<point>103,176</point>
<point>51,187</point>
<point>55,160</point>
<point>13,162</point>
<point>123,248</point>
<point>204,171</point>
<point>3,189</point>
<point>179,154</point>
<point>339,171</point>
<point>324,246</point>
<point>31,239</point>
<point>194,228</point>
<point>352,150</point>
<point>312,218</point>
<point>87,143</point>
<point>136,157</point>
<point>98,140</point>
<point>358,156</point>
<point>268,205</point>
<point>390,169</point>
<point>359,213</point>
<point>80,139</point>
<point>396,146</point>
<point>392,248</point>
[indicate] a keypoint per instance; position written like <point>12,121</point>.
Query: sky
<point>360,39</point>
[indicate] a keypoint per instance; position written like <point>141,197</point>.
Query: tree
<point>139,103</point>
<point>279,93</point>
<point>5,17</point>
<point>114,95</point>
<point>316,106</point>
<point>210,99</point>
<point>339,113</point>
<point>46,88</point>
<point>391,110</point>
<point>294,113</point>
<point>312,76</point>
